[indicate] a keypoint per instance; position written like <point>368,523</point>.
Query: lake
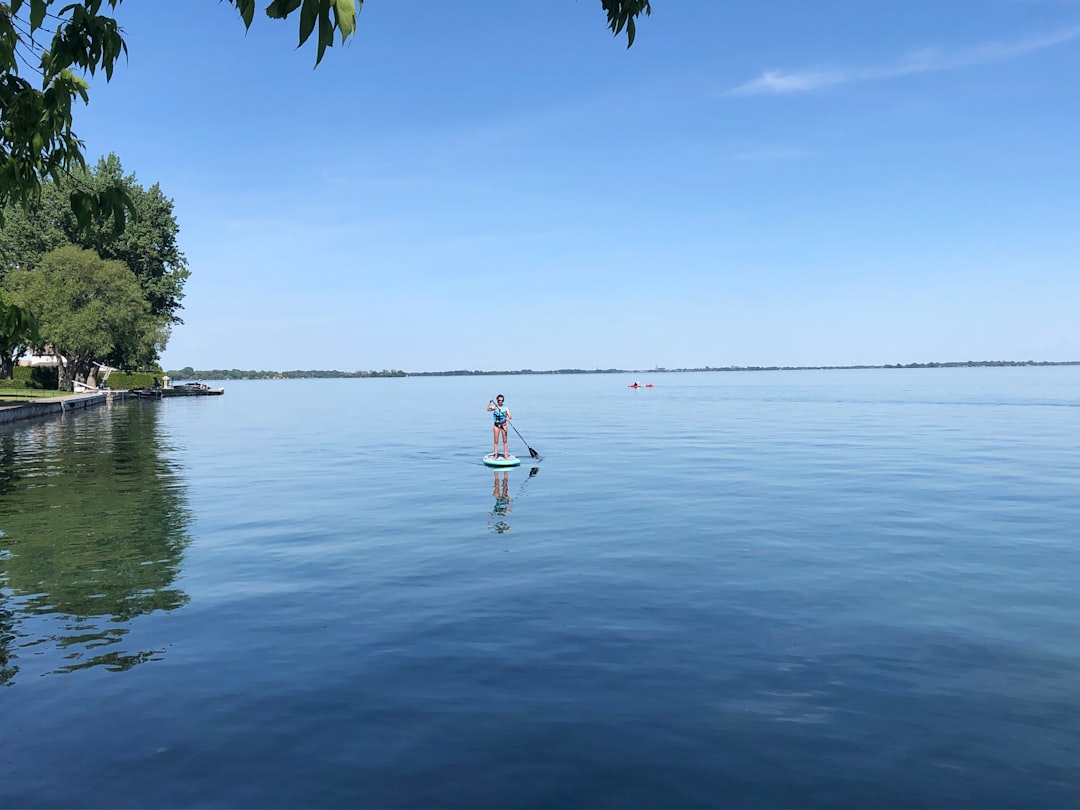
<point>736,589</point>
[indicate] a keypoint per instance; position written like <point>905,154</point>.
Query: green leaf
<point>82,205</point>
<point>345,13</point>
<point>326,33</point>
<point>37,14</point>
<point>308,15</point>
<point>280,9</point>
<point>247,11</point>
<point>622,13</point>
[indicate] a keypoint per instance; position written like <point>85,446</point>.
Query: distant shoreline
<point>239,374</point>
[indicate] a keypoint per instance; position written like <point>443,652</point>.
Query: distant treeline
<point>188,373</point>
<point>464,373</point>
<point>957,364</point>
<point>964,364</point>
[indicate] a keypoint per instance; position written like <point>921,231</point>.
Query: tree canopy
<point>88,308</point>
<point>18,332</point>
<point>148,245</point>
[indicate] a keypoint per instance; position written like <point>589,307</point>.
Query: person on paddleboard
<point>501,413</point>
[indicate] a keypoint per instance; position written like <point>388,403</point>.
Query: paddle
<point>532,452</point>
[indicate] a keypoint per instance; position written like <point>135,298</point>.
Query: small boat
<point>192,389</point>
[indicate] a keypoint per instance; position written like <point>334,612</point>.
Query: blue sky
<point>499,185</point>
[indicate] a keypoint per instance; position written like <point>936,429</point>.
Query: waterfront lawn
<point>24,394</point>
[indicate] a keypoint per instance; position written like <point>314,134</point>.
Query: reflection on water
<point>7,635</point>
<point>501,511</point>
<point>94,526</point>
<point>501,493</point>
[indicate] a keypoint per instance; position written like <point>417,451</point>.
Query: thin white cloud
<point>927,60</point>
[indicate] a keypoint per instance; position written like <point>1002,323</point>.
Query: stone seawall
<point>51,405</point>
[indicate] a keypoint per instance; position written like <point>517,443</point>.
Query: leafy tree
<point>18,332</point>
<point>148,245</point>
<point>36,136</point>
<point>88,308</point>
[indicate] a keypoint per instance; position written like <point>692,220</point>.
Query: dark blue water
<point>812,589</point>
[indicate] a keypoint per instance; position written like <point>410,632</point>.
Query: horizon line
<point>656,370</point>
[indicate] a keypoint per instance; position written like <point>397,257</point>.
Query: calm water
<point>813,589</point>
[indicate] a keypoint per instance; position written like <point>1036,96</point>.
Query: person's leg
<point>495,442</point>
<point>506,444</point>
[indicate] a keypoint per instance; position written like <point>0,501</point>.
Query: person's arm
<point>508,416</point>
<point>491,405</point>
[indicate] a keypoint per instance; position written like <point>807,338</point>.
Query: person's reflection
<point>501,494</point>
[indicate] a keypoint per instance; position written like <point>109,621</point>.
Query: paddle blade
<point>533,453</point>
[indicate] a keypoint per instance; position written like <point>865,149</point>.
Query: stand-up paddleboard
<point>502,461</point>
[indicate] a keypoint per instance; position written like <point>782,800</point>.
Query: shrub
<point>134,379</point>
<point>44,377</point>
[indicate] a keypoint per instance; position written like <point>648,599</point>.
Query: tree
<point>148,245</point>
<point>88,308</point>
<point>18,332</point>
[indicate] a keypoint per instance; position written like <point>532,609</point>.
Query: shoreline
<point>47,406</point>
<point>238,374</point>
<point>663,370</point>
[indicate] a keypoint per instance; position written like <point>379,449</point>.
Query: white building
<point>43,359</point>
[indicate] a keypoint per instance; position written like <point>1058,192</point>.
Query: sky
<point>497,185</point>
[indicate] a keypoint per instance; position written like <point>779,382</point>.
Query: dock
<point>90,397</point>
